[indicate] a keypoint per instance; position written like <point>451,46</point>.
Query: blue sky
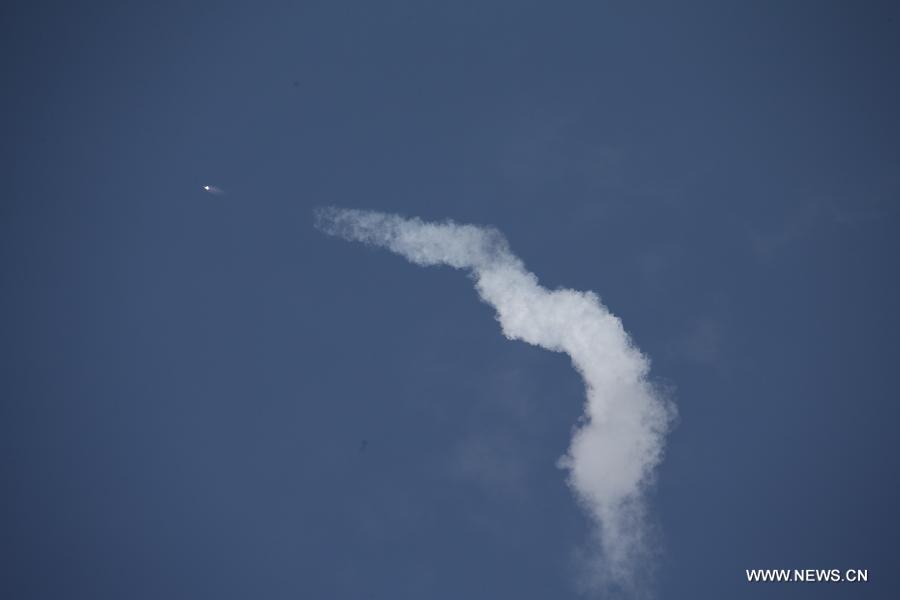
<point>187,378</point>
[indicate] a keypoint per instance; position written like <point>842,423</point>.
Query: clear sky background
<point>187,378</point>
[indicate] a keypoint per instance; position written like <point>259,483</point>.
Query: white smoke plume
<point>619,440</point>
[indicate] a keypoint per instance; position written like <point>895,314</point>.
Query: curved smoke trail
<point>620,438</point>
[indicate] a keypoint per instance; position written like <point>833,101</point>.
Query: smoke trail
<point>214,190</point>
<point>620,438</point>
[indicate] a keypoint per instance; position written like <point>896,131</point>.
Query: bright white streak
<point>620,439</point>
